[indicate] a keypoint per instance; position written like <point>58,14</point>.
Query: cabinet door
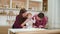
<point>4,29</point>
<point>45,5</point>
<point>4,3</point>
<point>18,3</point>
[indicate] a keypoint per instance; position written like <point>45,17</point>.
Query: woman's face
<point>24,14</point>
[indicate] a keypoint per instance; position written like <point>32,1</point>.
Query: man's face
<point>39,18</point>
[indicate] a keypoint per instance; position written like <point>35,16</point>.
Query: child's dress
<point>29,24</point>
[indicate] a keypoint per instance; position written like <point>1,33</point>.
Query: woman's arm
<point>24,22</point>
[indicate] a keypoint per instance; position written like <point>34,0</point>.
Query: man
<point>41,20</point>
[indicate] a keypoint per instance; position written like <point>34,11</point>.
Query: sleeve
<point>45,22</point>
<point>17,21</point>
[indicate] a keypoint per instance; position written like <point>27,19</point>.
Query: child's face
<point>29,15</point>
<point>39,18</point>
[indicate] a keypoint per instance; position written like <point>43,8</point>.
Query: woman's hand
<point>22,25</point>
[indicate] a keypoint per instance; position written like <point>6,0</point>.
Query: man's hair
<point>41,15</point>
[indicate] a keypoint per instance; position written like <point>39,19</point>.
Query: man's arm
<point>44,22</point>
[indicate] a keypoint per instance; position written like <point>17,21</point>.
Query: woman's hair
<point>23,10</point>
<point>41,15</point>
<point>21,18</point>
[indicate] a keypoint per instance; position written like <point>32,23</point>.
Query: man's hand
<point>40,26</point>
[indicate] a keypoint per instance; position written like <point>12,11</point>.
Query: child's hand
<point>34,20</point>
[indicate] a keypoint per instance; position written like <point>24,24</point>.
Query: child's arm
<point>34,20</point>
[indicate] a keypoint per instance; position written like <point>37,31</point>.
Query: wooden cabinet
<point>24,4</point>
<point>34,5</point>
<point>4,29</point>
<point>18,3</point>
<point>28,4</point>
<point>4,3</point>
<point>45,5</point>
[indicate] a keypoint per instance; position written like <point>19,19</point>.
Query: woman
<point>20,19</point>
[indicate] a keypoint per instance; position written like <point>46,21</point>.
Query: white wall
<point>53,13</point>
<point>59,12</point>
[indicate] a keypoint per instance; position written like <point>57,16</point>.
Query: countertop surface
<point>27,29</point>
<point>35,30</point>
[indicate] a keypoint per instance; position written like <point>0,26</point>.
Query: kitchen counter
<point>4,29</point>
<point>33,31</point>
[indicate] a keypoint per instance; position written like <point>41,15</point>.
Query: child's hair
<point>29,14</point>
